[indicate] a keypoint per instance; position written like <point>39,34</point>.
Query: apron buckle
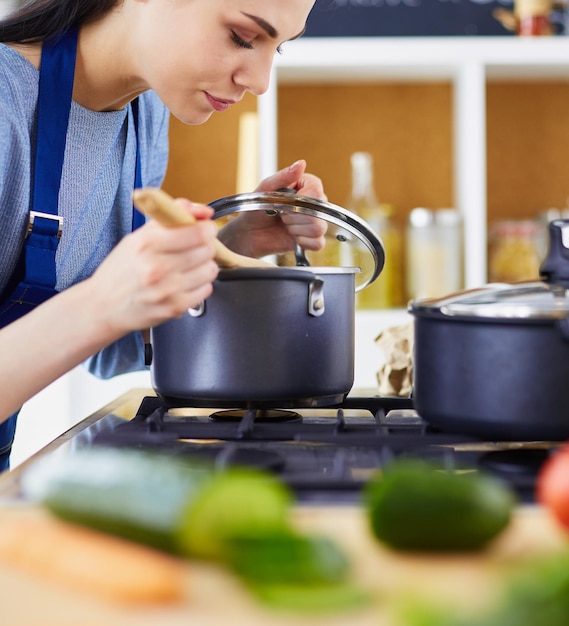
<point>48,216</point>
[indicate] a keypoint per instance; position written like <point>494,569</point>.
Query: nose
<point>255,74</point>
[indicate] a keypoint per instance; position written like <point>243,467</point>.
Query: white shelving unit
<point>467,63</point>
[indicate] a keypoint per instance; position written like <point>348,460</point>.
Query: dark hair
<point>38,20</point>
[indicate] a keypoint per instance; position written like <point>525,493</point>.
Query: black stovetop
<point>323,454</point>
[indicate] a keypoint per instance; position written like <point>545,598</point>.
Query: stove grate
<point>324,454</point>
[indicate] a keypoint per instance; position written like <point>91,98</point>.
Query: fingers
<point>310,185</point>
<point>308,232</point>
<point>176,239</point>
<point>176,262</point>
<point>173,296</point>
<point>156,273</point>
<point>199,211</point>
<point>295,177</point>
<point>287,177</point>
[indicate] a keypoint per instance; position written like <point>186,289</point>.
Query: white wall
<point>64,403</point>
<point>6,6</point>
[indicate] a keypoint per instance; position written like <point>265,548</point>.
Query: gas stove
<point>326,455</point>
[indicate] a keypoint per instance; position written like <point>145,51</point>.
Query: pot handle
<point>148,354</point>
<point>555,266</point>
<point>316,305</point>
<point>299,253</point>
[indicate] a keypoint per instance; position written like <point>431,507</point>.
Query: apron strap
<point>57,70</point>
<point>138,218</point>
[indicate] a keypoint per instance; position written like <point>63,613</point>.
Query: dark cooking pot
<point>494,361</point>
<point>281,336</point>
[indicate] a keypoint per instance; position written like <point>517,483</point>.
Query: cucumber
<point>129,493</point>
<point>170,503</point>
<point>413,506</point>
<point>330,599</point>
<point>287,557</point>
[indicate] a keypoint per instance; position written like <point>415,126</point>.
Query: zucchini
<point>170,503</point>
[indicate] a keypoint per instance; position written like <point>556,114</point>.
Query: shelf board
<point>356,59</point>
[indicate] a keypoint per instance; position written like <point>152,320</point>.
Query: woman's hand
<point>258,234</point>
<point>157,273</point>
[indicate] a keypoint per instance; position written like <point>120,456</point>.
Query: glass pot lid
<point>516,301</point>
<point>547,299</point>
<point>350,241</point>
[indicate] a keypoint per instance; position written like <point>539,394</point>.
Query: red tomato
<point>552,486</point>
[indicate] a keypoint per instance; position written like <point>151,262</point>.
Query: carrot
<point>86,560</point>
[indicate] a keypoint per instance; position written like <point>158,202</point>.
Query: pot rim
<point>281,269</point>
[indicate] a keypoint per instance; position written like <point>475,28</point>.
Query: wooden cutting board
<point>214,598</point>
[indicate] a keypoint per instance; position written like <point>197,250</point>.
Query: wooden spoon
<point>159,205</point>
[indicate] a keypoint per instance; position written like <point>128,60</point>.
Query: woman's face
<point>201,56</point>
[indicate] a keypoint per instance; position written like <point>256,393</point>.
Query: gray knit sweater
<point>96,187</point>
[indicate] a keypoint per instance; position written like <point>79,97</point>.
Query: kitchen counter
<point>122,407</point>
<point>214,597</point>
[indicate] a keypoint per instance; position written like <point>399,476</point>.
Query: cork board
<point>408,129</point>
<point>528,148</point>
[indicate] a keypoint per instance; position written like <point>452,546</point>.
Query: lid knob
<point>555,266</point>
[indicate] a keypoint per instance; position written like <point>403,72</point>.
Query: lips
<point>218,104</point>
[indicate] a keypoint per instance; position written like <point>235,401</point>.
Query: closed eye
<point>248,45</point>
<point>241,43</point>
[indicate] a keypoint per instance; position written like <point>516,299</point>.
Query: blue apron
<point>34,279</point>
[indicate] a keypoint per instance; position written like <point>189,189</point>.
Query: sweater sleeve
<point>15,169</point>
<point>122,357</point>
<point>157,140</point>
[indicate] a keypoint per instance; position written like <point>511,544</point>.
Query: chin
<point>192,119</point>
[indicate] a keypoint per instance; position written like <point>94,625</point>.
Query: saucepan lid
<point>499,301</point>
<point>350,241</point>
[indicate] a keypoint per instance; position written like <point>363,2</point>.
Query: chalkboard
<point>361,18</point>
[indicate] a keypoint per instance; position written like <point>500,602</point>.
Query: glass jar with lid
<point>514,251</point>
<point>434,252</point>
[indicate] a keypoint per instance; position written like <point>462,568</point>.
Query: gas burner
<point>259,415</point>
<point>518,461</point>
<point>232,454</point>
<point>519,466</point>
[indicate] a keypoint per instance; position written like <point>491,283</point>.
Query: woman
<point>86,89</point>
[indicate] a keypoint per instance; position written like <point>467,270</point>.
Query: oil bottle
<point>386,291</point>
